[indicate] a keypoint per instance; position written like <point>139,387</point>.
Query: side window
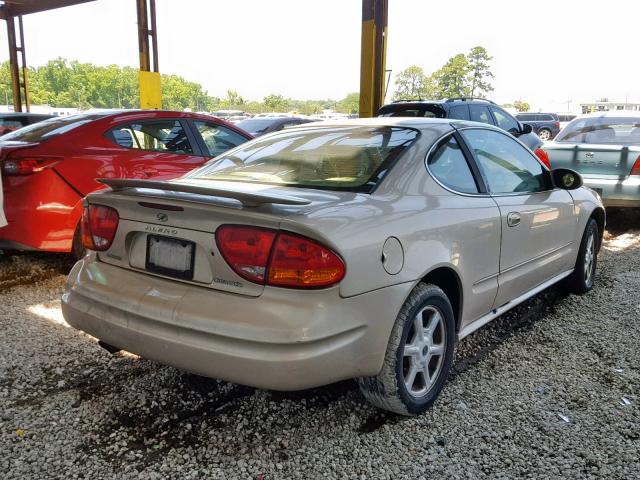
<point>449,165</point>
<point>157,135</point>
<point>505,121</point>
<point>218,139</point>
<point>480,113</point>
<point>459,112</point>
<point>508,167</point>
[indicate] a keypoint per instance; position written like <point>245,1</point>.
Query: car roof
<point>24,114</point>
<point>613,114</point>
<point>409,122</point>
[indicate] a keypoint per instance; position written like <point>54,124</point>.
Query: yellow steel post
<point>13,65</point>
<point>372,56</point>
<point>150,84</point>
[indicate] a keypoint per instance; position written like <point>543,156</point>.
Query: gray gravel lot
<point>549,390</point>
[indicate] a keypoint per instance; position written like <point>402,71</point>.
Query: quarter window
<point>459,112</point>
<point>480,113</point>
<point>505,121</point>
<point>160,136</point>
<point>218,139</point>
<point>449,165</point>
<point>508,167</point>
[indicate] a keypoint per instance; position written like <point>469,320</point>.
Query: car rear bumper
<point>282,340</point>
<point>616,192</point>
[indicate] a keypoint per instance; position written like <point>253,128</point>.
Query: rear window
<point>257,125</point>
<point>52,127</point>
<point>353,158</point>
<point>399,110</point>
<point>602,130</point>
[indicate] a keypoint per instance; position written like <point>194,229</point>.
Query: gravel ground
<point>549,390</point>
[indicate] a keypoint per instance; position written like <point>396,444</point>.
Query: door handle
<point>513,219</point>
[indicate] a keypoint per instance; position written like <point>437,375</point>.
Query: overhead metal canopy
<point>16,8</point>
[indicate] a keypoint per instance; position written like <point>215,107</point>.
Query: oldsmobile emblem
<point>162,217</point>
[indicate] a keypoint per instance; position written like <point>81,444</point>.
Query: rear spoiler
<point>248,199</point>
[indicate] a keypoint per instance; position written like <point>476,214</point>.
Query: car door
<point>537,220</point>
<point>216,139</point>
<point>159,148</point>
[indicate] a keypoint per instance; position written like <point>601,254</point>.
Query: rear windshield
<point>257,125</point>
<point>400,110</point>
<point>602,130</point>
<point>52,127</point>
<point>353,158</point>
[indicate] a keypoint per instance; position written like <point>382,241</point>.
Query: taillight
<point>280,259</point>
<point>635,170</point>
<point>557,124</point>
<point>299,262</point>
<point>543,157</point>
<point>246,250</point>
<point>27,165</point>
<point>98,227</point>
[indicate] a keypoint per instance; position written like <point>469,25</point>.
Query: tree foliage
<point>521,106</point>
<point>480,74</point>
<point>63,83</point>
<point>412,84</point>
<point>462,75</point>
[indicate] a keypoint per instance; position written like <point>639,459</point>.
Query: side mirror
<point>525,128</point>
<point>566,179</point>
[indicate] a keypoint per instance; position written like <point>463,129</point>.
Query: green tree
<point>349,104</point>
<point>412,84</point>
<point>275,103</point>
<point>480,74</point>
<point>521,106</point>
<point>451,79</point>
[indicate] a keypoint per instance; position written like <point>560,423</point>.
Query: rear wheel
<point>584,272</point>
<point>418,356</point>
<point>544,134</point>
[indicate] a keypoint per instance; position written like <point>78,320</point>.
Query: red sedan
<point>48,167</point>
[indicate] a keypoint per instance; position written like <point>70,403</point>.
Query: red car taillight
<point>280,259</point>
<point>543,157</point>
<point>557,124</point>
<point>635,170</point>
<point>98,227</point>
<point>28,165</point>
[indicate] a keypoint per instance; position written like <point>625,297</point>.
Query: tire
<point>388,390</point>
<point>544,134</point>
<point>584,271</point>
<point>77,249</point>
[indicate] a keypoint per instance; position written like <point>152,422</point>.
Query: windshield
<point>602,130</point>
<point>47,129</point>
<point>351,158</point>
<point>257,125</point>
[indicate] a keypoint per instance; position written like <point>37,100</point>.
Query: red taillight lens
<point>246,250</point>
<point>98,227</point>
<point>635,170</point>
<point>302,263</point>
<point>543,157</point>
<point>27,166</point>
<point>557,124</point>
<point>280,259</point>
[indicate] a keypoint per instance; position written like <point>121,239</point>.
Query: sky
<point>552,54</point>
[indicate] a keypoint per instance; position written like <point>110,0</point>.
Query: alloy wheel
<point>424,351</point>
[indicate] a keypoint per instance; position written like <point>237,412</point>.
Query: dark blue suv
<point>464,108</point>
<point>546,125</point>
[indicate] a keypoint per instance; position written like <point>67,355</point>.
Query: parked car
<point>10,121</point>
<point>464,108</point>
<point>605,148</point>
<point>565,118</point>
<point>48,167</point>
<point>356,248</point>
<point>263,125</point>
<point>546,125</point>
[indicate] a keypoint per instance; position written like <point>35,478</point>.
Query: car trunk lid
<point>168,228</point>
<point>610,161</point>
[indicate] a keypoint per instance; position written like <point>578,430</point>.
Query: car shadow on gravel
<point>27,268</point>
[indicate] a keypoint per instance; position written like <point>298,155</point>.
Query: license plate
<point>170,256</point>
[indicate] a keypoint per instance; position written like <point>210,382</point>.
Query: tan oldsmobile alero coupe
<point>357,249</point>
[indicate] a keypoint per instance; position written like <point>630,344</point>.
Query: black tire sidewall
<point>417,405</point>
<point>591,230</point>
